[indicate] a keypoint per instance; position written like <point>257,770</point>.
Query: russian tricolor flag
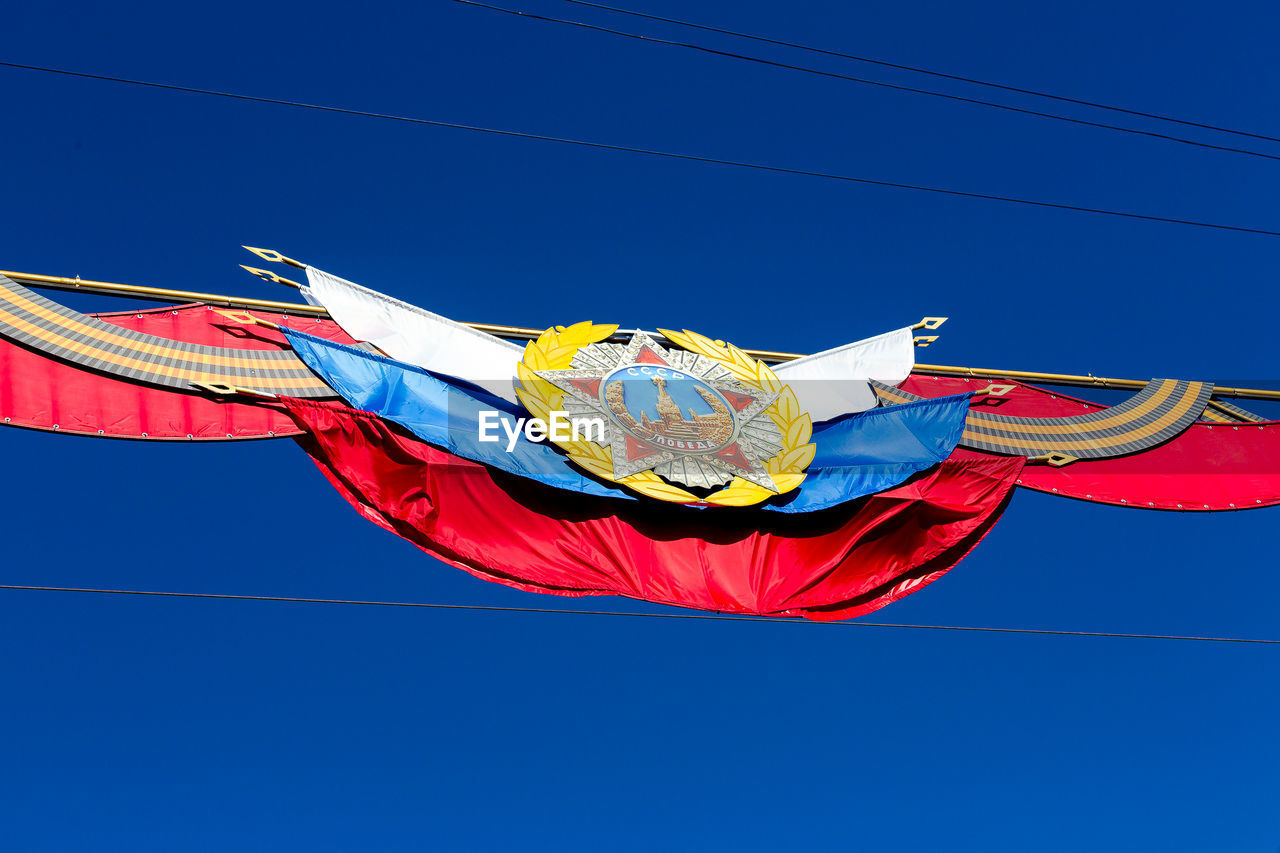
<point>888,505</point>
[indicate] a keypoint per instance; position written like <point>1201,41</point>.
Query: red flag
<point>43,392</point>
<point>831,564</point>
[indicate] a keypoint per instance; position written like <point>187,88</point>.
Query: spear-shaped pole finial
<point>244,318</point>
<point>271,256</point>
<point>272,277</point>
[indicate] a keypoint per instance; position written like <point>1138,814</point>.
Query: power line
<point>704,617</point>
<point>831,74</point>
<point>692,158</point>
<point>915,69</point>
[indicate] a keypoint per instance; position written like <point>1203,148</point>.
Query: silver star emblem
<point>682,415</point>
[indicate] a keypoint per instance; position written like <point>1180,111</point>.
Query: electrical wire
<point>831,74</point>
<point>692,158</point>
<point>917,70</point>
<point>703,617</point>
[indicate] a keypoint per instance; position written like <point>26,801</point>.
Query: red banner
<point>41,392</point>
<point>826,565</point>
<point>1207,467</point>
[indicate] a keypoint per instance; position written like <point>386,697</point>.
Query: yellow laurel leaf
<point>525,373</point>
<point>766,378</point>
<point>534,356</point>
<point>585,448</point>
<point>535,405</point>
<point>680,339</point>
<point>601,468</point>
<point>741,359</point>
<point>740,492</point>
<point>787,404</point>
<point>641,477</point>
<point>799,432</point>
<point>529,380</point>
<point>586,332</point>
<point>559,357</point>
<point>787,482</point>
<point>797,458</point>
<point>666,492</point>
<point>703,345</point>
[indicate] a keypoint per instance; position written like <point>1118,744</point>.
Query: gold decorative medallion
<point>705,415</point>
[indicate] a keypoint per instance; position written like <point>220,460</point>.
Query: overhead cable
<point>705,617</point>
<point>918,70</point>
<point>769,62</point>
<point>692,158</point>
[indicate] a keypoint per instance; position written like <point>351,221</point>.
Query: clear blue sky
<point>160,725</point>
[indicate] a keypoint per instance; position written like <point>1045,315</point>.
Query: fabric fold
<point>828,565</point>
<point>416,336</point>
<point>837,381</point>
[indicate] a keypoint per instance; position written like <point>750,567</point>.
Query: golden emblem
<point>703,415</point>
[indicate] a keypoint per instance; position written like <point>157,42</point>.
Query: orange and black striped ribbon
<point>38,323</point>
<point>1157,413</point>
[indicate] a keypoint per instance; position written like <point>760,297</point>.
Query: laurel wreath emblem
<point>555,348</point>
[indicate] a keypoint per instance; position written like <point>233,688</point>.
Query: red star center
<point>587,386</point>
<point>734,456</point>
<point>637,449</point>
<point>738,401</point>
<point>648,356</point>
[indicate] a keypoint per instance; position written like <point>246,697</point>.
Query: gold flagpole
<point>167,295</point>
<point>163,294</point>
<point>158,294</point>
